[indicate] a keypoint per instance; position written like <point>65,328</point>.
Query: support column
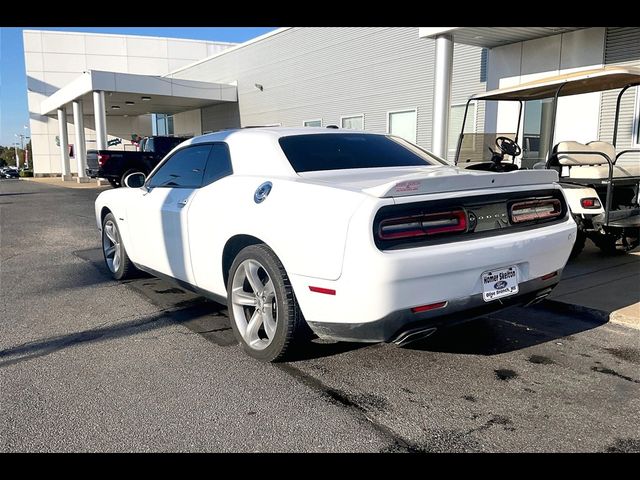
<point>63,135</point>
<point>442,94</point>
<point>100,115</point>
<point>81,146</point>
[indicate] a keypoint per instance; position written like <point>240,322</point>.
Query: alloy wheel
<point>111,246</point>
<point>254,303</point>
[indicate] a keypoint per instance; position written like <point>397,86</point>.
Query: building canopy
<point>131,94</point>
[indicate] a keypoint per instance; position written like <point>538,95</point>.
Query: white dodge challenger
<point>343,234</point>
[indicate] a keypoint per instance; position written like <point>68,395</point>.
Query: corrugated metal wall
<point>622,48</point>
<point>310,73</point>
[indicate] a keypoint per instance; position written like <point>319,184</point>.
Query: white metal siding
<point>331,72</point>
<point>622,48</point>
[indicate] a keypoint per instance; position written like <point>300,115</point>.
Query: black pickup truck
<point>115,165</point>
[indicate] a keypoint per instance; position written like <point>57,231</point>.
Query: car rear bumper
<point>403,325</point>
<point>381,287</point>
<point>93,172</point>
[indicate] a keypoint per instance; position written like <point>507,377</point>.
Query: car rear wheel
<point>265,316</point>
<point>115,255</point>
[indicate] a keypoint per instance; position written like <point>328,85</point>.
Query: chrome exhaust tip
<point>411,336</point>
<point>540,297</point>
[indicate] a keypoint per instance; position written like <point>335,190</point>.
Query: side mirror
<point>135,180</point>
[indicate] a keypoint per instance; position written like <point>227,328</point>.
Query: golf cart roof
<point>584,81</point>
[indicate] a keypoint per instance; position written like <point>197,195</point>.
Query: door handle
<point>183,202</point>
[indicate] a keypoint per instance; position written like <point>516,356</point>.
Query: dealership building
<point>88,91</point>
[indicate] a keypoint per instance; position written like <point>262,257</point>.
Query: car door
<point>205,207</point>
<point>158,220</point>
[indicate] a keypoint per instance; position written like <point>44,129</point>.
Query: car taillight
<point>423,225</point>
<point>102,159</point>
<point>590,203</point>
<point>529,210</point>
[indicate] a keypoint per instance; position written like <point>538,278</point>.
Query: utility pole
<point>23,137</point>
<point>15,147</point>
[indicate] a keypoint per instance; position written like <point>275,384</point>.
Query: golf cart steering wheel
<point>508,146</point>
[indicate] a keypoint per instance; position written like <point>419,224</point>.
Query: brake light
<point>535,210</point>
<point>426,308</point>
<point>590,203</point>
<point>326,291</point>
<point>423,225</point>
<point>102,158</point>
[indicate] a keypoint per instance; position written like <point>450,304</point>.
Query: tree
<point>8,156</point>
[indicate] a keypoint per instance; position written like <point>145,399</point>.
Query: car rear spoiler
<point>466,180</point>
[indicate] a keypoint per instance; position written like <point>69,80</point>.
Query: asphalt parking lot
<point>90,364</point>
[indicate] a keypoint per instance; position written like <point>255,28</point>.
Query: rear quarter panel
<point>305,225</point>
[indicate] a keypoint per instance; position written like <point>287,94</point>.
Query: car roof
<point>274,132</point>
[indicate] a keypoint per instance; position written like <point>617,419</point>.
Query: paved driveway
<point>89,364</point>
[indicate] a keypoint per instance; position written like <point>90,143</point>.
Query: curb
<point>591,314</point>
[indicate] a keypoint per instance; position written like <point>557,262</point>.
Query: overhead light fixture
<point>145,99</point>
<point>125,115</point>
<point>129,102</point>
<point>258,86</point>
<point>115,107</point>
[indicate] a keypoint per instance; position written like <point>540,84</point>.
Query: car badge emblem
<point>262,192</point>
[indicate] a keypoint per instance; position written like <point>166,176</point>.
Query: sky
<point>14,113</point>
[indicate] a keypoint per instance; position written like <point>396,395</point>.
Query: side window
<point>184,169</point>
<point>218,165</point>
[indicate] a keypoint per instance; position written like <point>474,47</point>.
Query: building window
<point>404,124</point>
<point>312,123</point>
<point>162,124</point>
<point>352,122</point>
<point>456,116</point>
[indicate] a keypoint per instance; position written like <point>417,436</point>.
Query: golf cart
<point>602,192</point>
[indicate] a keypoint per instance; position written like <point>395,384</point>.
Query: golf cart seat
<point>585,165</point>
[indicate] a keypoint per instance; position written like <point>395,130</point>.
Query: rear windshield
<point>339,151</point>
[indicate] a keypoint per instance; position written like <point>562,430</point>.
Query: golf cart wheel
<point>581,238</point>
<point>606,243</point>
<point>630,239</point>
<point>578,246</point>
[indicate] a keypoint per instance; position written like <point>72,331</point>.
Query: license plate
<point>499,283</point>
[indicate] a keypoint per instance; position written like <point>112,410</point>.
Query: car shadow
<point>46,346</point>
<point>18,193</point>
<point>601,283</point>
<point>512,329</point>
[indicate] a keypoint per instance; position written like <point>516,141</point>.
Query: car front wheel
<point>265,316</point>
<point>115,255</point>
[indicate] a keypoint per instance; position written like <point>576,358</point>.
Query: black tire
<point>129,172</point>
<point>125,268</point>
<point>291,329</point>
<point>581,238</point>
<point>114,183</point>
<point>606,243</point>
